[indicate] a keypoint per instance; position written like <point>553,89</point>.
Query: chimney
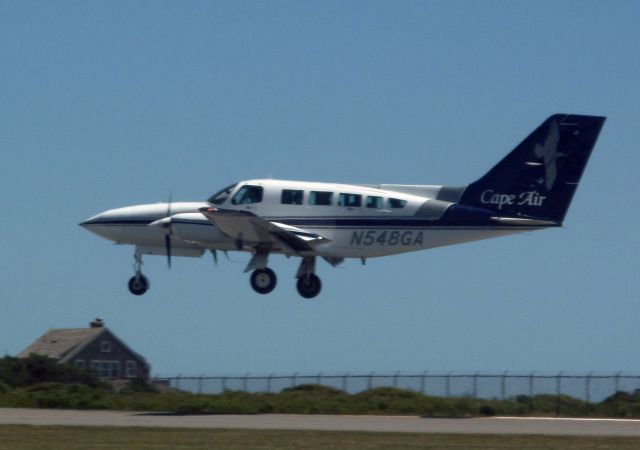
<point>97,323</point>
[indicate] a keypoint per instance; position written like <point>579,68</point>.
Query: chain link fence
<point>591,387</point>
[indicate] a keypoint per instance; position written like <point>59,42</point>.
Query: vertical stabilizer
<point>539,177</point>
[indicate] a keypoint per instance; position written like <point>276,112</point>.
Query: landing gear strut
<point>138,284</point>
<point>263,281</point>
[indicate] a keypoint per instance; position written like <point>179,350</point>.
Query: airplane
<point>529,189</point>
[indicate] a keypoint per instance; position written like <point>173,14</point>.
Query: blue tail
<point>539,177</point>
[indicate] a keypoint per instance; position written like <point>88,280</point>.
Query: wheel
<point>138,284</point>
<point>263,281</point>
<point>309,285</point>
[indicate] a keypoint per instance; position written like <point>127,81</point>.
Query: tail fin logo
<point>529,198</point>
<point>549,154</point>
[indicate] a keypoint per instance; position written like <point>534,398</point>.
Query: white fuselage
<point>356,221</point>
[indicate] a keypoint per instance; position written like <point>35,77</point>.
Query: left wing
<point>247,228</point>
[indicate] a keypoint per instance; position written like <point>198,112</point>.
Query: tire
<point>263,281</point>
<point>309,285</point>
<point>138,284</point>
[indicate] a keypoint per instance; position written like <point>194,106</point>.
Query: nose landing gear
<point>138,284</point>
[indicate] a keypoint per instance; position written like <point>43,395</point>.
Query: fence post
<point>395,380</point>
<point>269,383</point>
<point>475,385</point>
<point>422,381</point>
<point>617,381</point>
<point>224,383</point>
<point>344,381</point>
<point>448,385</point>
<point>370,381</point>
<point>531,377</point>
<point>588,389</point>
<point>200,384</point>
<point>294,379</point>
<point>245,380</point>
<point>503,387</point>
<point>558,391</point>
<point>319,378</point>
<point>178,381</point>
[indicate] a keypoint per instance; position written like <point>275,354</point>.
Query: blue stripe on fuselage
<point>345,222</point>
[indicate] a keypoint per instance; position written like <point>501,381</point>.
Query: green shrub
<point>318,389</point>
<point>389,392</point>
<point>487,410</point>
<point>138,385</point>
<point>22,372</point>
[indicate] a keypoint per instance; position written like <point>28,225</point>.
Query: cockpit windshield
<point>221,196</point>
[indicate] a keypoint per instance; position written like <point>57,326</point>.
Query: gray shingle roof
<point>62,343</point>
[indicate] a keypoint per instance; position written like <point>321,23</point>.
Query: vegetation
<point>13,437</point>
<point>23,372</point>
<point>38,382</point>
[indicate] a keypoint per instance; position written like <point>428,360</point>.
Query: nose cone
<point>91,221</point>
<point>130,225</point>
<point>101,224</point>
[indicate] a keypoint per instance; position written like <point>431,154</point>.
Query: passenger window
<point>395,203</point>
<point>247,194</point>
<point>375,202</point>
<point>352,200</point>
<point>320,198</point>
<point>292,197</point>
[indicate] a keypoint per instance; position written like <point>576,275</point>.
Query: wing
<point>248,229</point>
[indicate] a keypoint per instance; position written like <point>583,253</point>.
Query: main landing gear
<point>138,284</point>
<point>263,279</point>
<point>309,285</point>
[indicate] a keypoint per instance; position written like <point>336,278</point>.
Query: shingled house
<point>95,348</point>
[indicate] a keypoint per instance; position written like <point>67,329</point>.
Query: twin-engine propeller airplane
<point>530,189</point>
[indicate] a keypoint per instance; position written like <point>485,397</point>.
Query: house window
<point>105,347</point>
<point>350,200</point>
<point>292,197</point>
<point>375,202</point>
<point>320,198</point>
<point>105,369</point>
<point>132,369</point>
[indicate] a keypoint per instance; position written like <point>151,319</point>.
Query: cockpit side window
<point>221,196</point>
<point>247,195</point>
<point>395,203</point>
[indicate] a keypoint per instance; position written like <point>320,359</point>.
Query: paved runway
<point>494,425</point>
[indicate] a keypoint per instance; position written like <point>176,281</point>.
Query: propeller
<point>169,233</point>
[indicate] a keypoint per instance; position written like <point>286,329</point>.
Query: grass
<point>23,437</point>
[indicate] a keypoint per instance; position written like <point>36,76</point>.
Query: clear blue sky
<point>107,104</point>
